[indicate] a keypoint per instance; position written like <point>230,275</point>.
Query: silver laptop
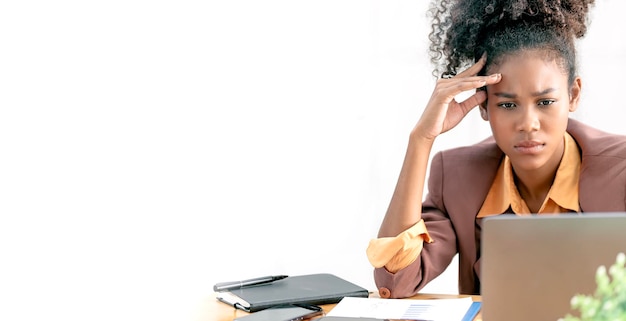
<point>532,266</point>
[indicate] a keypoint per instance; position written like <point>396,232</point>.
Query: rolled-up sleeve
<point>395,253</point>
<point>404,264</point>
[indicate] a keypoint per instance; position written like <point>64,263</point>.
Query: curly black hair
<point>463,30</point>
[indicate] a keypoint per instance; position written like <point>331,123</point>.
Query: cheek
<point>502,123</point>
<point>562,118</point>
<point>498,124</point>
<point>557,116</point>
<point>498,117</point>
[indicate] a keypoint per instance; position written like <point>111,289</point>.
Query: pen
<point>226,286</point>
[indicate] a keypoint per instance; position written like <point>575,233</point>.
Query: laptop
<point>532,266</point>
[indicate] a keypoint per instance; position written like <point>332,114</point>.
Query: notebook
<point>532,266</point>
<point>322,288</point>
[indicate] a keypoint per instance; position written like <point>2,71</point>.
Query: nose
<point>529,120</point>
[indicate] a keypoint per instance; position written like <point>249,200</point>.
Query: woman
<point>523,72</point>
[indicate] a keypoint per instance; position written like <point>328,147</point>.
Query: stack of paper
<point>406,309</point>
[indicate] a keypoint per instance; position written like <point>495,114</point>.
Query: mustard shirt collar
<point>564,191</point>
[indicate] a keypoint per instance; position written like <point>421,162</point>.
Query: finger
<point>452,89</point>
<point>471,102</point>
<point>489,80</point>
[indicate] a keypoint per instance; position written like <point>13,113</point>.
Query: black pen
<point>226,286</point>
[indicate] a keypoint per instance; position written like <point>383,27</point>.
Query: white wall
<point>153,148</point>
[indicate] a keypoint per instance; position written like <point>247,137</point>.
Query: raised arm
<point>441,114</point>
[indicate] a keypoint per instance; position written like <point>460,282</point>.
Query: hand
<point>443,112</point>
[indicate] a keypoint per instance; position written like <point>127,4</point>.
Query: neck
<point>534,184</point>
<point>534,188</point>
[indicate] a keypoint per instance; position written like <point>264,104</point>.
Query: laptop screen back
<point>532,266</point>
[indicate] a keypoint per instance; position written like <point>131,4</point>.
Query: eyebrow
<point>535,94</point>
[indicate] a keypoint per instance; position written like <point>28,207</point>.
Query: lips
<point>529,147</point>
<point>529,143</point>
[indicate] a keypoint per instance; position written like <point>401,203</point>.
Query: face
<point>528,110</point>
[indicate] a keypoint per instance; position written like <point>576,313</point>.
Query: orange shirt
<point>562,196</point>
<point>395,253</point>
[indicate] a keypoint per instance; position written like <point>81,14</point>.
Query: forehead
<point>530,70</point>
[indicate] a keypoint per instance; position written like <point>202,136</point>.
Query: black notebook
<point>320,288</point>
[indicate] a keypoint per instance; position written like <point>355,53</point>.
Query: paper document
<point>403,309</point>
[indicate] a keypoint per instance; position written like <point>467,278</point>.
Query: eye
<point>506,105</point>
<point>546,102</point>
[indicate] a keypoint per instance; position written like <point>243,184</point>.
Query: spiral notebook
<point>322,288</point>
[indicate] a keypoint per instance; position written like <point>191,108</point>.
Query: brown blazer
<point>458,184</point>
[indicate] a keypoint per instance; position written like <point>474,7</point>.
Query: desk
<point>214,310</point>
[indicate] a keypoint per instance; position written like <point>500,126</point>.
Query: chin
<point>528,163</point>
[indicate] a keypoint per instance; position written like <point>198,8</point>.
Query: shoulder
<point>595,142</point>
<point>459,181</point>
<point>467,162</point>
<point>603,169</point>
<point>484,150</point>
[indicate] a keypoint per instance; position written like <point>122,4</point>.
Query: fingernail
<point>494,76</point>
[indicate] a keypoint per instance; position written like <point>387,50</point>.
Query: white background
<point>150,149</point>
